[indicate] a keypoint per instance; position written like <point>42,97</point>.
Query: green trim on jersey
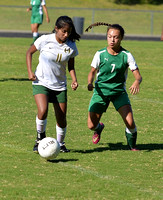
<point>112,73</point>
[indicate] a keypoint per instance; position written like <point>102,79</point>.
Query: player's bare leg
<point>95,125</point>
<point>41,118</point>
<point>34,28</point>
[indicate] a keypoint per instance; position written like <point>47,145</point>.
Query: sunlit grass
<point>104,171</point>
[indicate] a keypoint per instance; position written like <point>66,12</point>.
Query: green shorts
<point>99,104</point>
<point>54,96</point>
<point>36,19</point>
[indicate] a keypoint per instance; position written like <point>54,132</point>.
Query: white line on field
<point>111,178</point>
<point>87,171</point>
<point>146,100</point>
<point>96,174</point>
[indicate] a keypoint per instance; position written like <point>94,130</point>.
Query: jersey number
<point>59,57</point>
<point>113,67</point>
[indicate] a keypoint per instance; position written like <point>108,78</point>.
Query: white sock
<point>35,34</point>
<point>61,133</point>
<point>40,126</point>
<point>130,131</point>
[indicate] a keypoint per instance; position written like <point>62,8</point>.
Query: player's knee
<point>129,121</point>
<point>42,115</point>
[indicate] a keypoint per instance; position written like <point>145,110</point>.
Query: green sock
<point>131,139</point>
<point>34,39</point>
<point>35,36</point>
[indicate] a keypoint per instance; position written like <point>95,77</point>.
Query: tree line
<point>132,2</point>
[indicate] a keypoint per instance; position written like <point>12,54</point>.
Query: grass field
<point>103,171</point>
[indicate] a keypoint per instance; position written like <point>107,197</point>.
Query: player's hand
<point>74,85</point>
<point>90,87</point>
<point>47,19</point>
<point>134,89</point>
<point>32,76</point>
<point>28,9</point>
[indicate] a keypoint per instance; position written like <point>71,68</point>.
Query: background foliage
<point>132,2</point>
<point>88,4</point>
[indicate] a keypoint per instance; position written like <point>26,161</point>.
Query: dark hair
<point>64,20</point>
<point>118,27</point>
<point>110,26</point>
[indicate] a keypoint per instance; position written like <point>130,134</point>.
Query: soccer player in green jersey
<point>37,7</point>
<point>111,65</point>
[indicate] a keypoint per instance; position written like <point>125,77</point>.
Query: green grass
<point>103,171</point>
<point>135,23</point>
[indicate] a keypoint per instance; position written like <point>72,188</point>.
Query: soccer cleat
<point>39,137</point>
<point>64,149</point>
<point>35,148</point>
<point>97,135</point>
<point>134,149</point>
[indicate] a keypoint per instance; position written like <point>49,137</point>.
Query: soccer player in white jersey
<point>111,65</point>
<point>49,80</point>
<point>37,7</point>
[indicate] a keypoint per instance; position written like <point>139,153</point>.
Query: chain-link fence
<point>135,22</point>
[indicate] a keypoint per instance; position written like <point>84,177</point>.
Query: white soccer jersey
<point>51,70</point>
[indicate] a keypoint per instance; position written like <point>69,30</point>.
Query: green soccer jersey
<point>37,6</point>
<point>112,71</point>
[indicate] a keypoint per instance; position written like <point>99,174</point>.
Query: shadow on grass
<point>62,160</point>
<point>143,147</point>
<point>150,147</point>
<point>120,146</point>
<point>14,79</point>
<point>98,149</point>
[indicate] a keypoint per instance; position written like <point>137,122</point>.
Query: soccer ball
<point>49,148</point>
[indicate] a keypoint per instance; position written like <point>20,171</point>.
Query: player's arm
<point>135,87</point>
<point>91,77</point>
<point>46,13</point>
<point>29,53</point>
<point>72,72</point>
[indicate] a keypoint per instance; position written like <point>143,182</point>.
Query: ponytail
<point>97,24</point>
<point>110,26</point>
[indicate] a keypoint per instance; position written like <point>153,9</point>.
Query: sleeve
<point>40,42</point>
<point>75,51</point>
<point>96,60</point>
<point>131,62</point>
<point>43,3</point>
